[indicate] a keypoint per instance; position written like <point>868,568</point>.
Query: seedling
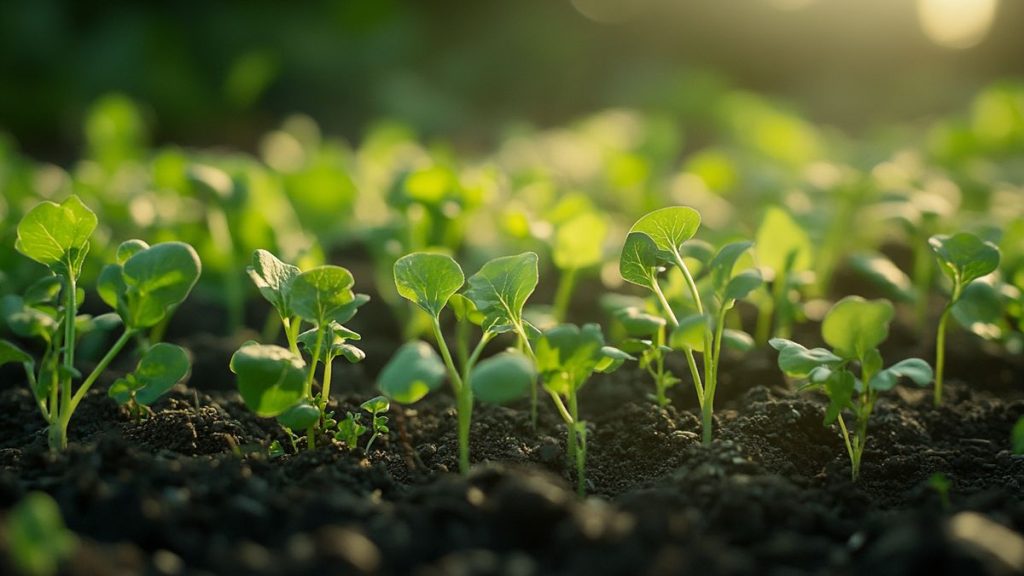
<point>322,296</point>
<point>495,298</point>
<point>38,540</point>
<point>647,338</point>
<point>161,367</point>
<point>656,240</point>
<point>853,327</point>
<point>785,250</point>
<point>578,244</point>
<point>941,484</point>
<point>566,358</point>
<point>144,286</point>
<point>376,407</point>
<point>350,430</point>
<point>963,258</point>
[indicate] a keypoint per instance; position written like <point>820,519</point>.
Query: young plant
<point>963,258</point>
<point>566,358</point>
<point>646,337</point>
<point>854,328</point>
<point>350,430</point>
<point>161,367</point>
<point>376,407</point>
<point>144,286</point>
<point>496,296</point>
<point>578,245</point>
<point>322,296</point>
<point>656,240</point>
<point>783,248</point>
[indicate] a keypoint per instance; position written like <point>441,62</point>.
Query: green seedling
<point>321,296</point>
<point>854,328</point>
<point>657,240</point>
<point>161,367</point>
<point>566,358</point>
<point>494,299</point>
<point>963,258</point>
<point>376,407</point>
<point>350,430</point>
<point>647,338</point>
<point>578,245</point>
<point>941,484</point>
<point>1017,436</point>
<point>784,249</point>
<point>144,286</point>
<point>38,540</point>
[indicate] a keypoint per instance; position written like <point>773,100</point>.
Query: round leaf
<point>376,405</point>
<point>161,367</point>
<point>853,326</point>
<point>964,257</point>
<point>52,233</point>
<point>428,280</point>
<point>157,279</point>
<point>300,416</point>
<point>669,228</point>
<point>412,373</point>
<point>270,379</point>
<point>320,294</point>
<point>503,378</point>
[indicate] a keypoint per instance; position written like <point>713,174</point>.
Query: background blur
<point>226,72</point>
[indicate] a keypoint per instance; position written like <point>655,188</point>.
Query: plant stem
<point>708,405</point>
<point>70,311</point>
<point>690,361</point>
<point>854,467</point>
<point>940,353</point>
<point>564,294</point>
<point>291,333</point>
<point>463,397</point>
<point>708,352</point>
<point>314,360</point>
<point>61,415</point>
<point>465,402</point>
<point>528,348</point>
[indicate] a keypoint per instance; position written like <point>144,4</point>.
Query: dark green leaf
<point>503,378</point>
<point>414,371</point>
<point>301,416</point>
<point>270,379</point>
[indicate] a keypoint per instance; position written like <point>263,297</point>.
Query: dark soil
<point>191,490</point>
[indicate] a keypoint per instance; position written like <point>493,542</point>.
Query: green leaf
<point>721,266</point>
<point>797,361</point>
<point>43,291</point>
<point>853,326</point>
<point>465,309</point>
<point>964,257</point>
<point>428,280</point>
<point>301,416</point>
<point>502,286</point>
<point>160,368</point>
<point>129,248</point>
<point>638,263</point>
<point>738,340</point>
<point>503,378</point>
<point>567,355</point>
<point>917,370</point>
<point>323,294</point>
<point>639,323</point>
<point>349,430</point>
<point>414,371</point>
<point>376,405</point>
<point>1017,436</point>
<point>11,353</point>
<point>742,284</point>
<point>37,539</point>
<point>273,278</point>
<point>27,321</point>
<point>881,272</point>
<point>690,333</point>
<point>53,234</point>
<point>839,388</point>
<point>669,228</point>
<point>611,359</point>
<point>270,379</point>
<point>980,310</point>
<point>579,243</point>
<point>781,243</point>
<point>153,282</point>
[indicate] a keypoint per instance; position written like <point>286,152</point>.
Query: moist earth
<point>192,489</point>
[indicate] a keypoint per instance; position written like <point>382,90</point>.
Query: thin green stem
<point>711,384</point>
<point>940,353</point>
<point>664,303</point>
<point>855,469</point>
<point>525,346</point>
<point>70,311</point>
<point>103,363</point>
<point>317,347</point>
<point>465,402</point>
<point>446,355</point>
<point>563,295</point>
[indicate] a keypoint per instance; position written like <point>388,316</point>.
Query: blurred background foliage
<point>223,73</point>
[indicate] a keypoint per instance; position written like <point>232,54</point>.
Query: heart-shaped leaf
<point>376,405</point>
<point>502,286</point>
<point>669,228</point>
<point>321,294</point>
<point>428,280</point>
<point>638,263</point>
<point>57,234</point>
<point>964,257</point>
